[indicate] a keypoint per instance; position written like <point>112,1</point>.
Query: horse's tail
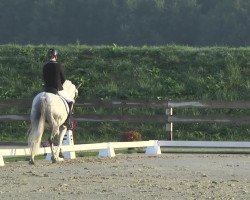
<point>37,127</point>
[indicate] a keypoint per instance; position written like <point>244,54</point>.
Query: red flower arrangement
<point>130,136</point>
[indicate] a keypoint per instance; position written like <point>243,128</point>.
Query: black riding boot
<point>69,119</point>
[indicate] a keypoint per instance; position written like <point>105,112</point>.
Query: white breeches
<point>66,96</point>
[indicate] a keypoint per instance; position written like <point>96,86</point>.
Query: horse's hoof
<point>53,160</point>
<point>61,155</point>
<point>31,162</point>
<point>60,159</point>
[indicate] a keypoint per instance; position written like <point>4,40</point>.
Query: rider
<point>53,76</point>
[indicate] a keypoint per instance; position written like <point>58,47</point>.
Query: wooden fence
<point>168,118</point>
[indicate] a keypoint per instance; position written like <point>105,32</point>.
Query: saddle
<point>69,122</point>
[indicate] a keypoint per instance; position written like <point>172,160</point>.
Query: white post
<point>169,125</point>
<point>154,150</point>
<point>48,157</point>
<point>1,161</point>
<point>69,140</point>
<point>109,152</point>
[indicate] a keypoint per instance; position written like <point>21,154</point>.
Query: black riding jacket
<point>53,76</point>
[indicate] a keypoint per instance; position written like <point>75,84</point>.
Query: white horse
<point>49,110</point>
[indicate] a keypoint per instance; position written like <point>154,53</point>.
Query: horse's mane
<point>69,87</point>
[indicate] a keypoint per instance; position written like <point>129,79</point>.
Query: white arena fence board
<point>25,151</point>
<point>11,151</point>
<point>15,151</point>
<point>204,144</point>
<point>153,147</point>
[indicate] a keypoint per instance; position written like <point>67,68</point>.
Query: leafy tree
<point>125,22</point>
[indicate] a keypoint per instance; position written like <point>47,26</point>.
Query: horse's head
<point>70,88</point>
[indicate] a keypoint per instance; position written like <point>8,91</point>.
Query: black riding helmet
<point>52,52</point>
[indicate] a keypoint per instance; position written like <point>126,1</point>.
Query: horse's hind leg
<point>56,150</point>
<point>61,135</point>
<point>34,143</point>
<point>32,158</point>
<point>33,151</point>
<point>55,132</point>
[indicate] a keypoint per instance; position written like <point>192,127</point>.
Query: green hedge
<point>114,72</point>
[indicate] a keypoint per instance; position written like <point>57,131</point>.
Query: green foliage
<point>125,22</point>
<point>127,73</point>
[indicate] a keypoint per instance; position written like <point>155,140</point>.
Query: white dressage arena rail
<point>153,147</point>
<point>69,149</point>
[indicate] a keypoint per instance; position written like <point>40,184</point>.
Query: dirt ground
<point>131,176</point>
